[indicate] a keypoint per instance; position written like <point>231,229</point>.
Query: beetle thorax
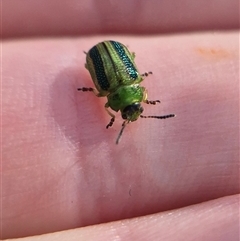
<point>124,96</point>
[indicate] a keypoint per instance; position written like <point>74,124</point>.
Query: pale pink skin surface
<point>61,168</point>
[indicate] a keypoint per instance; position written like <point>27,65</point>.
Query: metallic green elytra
<point>115,76</point>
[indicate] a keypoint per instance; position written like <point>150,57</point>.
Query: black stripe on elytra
<point>125,59</point>
<point>99,68</point>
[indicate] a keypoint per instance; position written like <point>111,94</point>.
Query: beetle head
<point>132,112</point>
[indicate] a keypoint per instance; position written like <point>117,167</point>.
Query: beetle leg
<point>111,114</point>
<point>151,102</point>
<point>84,89</point>
<point>146,74</point>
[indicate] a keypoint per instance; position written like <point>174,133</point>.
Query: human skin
<point>174,179</point>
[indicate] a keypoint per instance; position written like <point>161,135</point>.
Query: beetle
<point>115,76</point>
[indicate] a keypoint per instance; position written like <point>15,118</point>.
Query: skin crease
<point>62,170</point>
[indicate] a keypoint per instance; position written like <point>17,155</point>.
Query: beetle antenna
<point>158,117</point>
<point>121,131</point>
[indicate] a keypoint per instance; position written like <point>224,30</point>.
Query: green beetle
<point>115,75</point>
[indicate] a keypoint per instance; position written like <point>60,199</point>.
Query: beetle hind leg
<point>133,55</point>
<point>146,74</point>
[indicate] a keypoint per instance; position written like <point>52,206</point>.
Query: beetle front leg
<point>151,102</point>
<point>111,114</point>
